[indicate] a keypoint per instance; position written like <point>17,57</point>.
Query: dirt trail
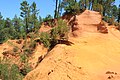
<point>92,56</point>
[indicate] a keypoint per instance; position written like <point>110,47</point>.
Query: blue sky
<point>9,8</point>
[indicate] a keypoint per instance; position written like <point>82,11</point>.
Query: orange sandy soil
<point>92,56</point>
<point>8,46</point>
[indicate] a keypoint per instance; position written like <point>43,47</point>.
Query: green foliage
<point>15,74</point>
<point>32,45</point>
<point>17,23</point>
<point>29,14</point>
<point>26,69</point>
<point>29,49</point>
<point>45,39</point>
<point>9,71</point>
<point>11,29</point>
<point>17,28</point>
<point>84,4</point>
<point>110,20</point>
<point>47,18</point>
<point>33,19</point>
<point>29,46</point>
<point>54,33</point>
<point>1,21</point>
<point>98,7</point>
<point>71,6</point>
<point>62,29</point>
<point>25,13</point>
<point>58,32</point>
<point>23,58</point>
<point>58,9</point>
<point>4,35</point>
<point>40,20</point>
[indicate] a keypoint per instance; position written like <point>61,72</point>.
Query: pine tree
<point>107,5</point>
<point>5,32</point>
<point>114,11</point>
<point>59,9</point>
<point>71,6</point>
<point>17,23</point>
<point>7,23</point>
<point>34,13</point>
<point>17,27</point>
<point>1,21</point>
<point>84,4</point>
<point>98,7</point>
<point>25,13</point>
<point>1,17</point>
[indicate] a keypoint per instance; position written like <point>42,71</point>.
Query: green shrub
<point>54,33</point>
<point>33,45</point>
<point>51,23</point>
<point>9,71</point>
<point>61,31</point>
<point>54,36</point>
<point>15,73</point>
<point>29,45</point>
<point>106,18</point>
<point>47,18</point>
<point>23,58</point>
<point>28,51</point>
<point>25,65</point>
<point>58,32</point>
<point>45,39</point>
<point>26,69</point>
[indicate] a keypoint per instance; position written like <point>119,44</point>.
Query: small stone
<point>115,73</point>
<point>109,77</point>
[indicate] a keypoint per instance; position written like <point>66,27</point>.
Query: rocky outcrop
<point>102,28</point>
<point>92,56</point>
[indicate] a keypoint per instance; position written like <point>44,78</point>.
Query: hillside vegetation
<point>81,43</point>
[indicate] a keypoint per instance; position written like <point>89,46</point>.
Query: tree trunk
<point>92,3</point>
<point>85,4</point>
<point>56,6</point>
<point>26,27</point>
<point>103,12</point>
<point>119,15</point>
<point>59,8</point>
